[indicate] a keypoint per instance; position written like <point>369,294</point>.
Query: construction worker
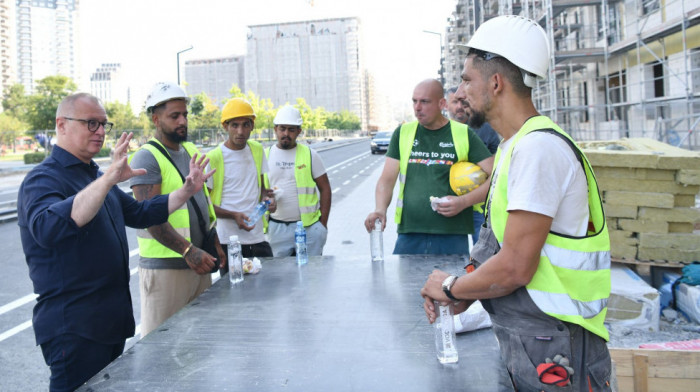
<point>296,171</point>
<point>455,108</point>
<point>238,183</point>
<point>173,267</point>
<point>543,261</point>
<point>420,155</point>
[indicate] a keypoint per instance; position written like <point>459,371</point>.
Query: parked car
<point>380,142</point>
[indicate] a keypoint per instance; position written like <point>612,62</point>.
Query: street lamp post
<point>178,62</point>
<point>442,68</point>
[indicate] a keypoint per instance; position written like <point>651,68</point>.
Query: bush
<point>104,152</point>
<point>34,157</point>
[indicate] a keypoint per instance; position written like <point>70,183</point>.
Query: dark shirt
<point>488,136</point>
<point>81,274</point>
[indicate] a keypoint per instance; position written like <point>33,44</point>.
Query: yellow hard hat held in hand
<point>465,177</point>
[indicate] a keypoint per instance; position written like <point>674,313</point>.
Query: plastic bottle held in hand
<point>300,241</point>
<point>235,260</point>
<point>445,337</point>
<point>260,210</point>
<point>377,241</point>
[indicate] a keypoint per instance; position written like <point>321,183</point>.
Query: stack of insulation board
<point>649,190</point>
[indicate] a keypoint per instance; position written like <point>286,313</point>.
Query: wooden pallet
<point>641,370</point>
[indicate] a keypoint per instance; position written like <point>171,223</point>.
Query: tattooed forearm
<point>166,235</point>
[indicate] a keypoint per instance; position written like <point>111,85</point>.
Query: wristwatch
<point>447,286</point>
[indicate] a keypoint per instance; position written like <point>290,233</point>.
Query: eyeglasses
<point>483,54</point>
<point>93,125</point>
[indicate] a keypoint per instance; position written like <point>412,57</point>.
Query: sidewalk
<point>346,229</point>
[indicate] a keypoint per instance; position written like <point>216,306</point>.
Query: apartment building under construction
<point>620,68</point>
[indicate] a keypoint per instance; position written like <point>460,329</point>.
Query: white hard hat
<point>288,115</point>
<point>520,40</point>
<point>163,92</point>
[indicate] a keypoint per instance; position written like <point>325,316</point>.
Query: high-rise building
<point>318,60</point>
<point>109,85</point>
<point>8,61</point>
<point>215,77</point>
<point>47,32</point>
<point>618,68</point>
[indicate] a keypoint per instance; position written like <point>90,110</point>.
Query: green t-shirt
<point>428,174</point>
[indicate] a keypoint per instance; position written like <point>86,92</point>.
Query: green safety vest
<point>216,161</point>
<point>149,247</point>
<point>572,281</point>
<point>309,206</point>
<point>460,137</point>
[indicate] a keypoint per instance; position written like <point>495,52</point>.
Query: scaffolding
<point>621,68</point>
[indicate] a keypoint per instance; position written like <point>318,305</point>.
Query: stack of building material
<point>649,191</point>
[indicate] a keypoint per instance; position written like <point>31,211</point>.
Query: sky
<point>145,35</point>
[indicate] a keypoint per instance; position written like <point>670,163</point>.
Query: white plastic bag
<point>475,317</point>
<point>251,266</point>
<point>435,201</point>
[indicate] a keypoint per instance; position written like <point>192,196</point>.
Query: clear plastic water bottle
<point>235,260</point>
<point>445,337</point>
<point>260,210</point>
<point>300,242</point>
<point>377,241</point>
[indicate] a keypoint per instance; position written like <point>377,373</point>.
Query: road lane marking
<point>346,161</point>
<point>355,176</point>
<point>17,303</point>
<point>14,331</point>
<point>335,190</point>
<point>346,182</point>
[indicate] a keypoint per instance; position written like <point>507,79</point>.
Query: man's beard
<point>476,119</point>
<point>175,137</point>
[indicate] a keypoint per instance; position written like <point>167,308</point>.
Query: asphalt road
<point>22,366</point>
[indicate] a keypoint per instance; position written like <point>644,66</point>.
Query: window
<point>648,7</point>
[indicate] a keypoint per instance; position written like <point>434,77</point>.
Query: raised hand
<point>196,179</point>
<point>120,170</point>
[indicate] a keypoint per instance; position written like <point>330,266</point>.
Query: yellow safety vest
<point>216,161</point>
<point>572,281</point>
<point>309,206</point>
<point>460,137</point>
<point>149,247</point>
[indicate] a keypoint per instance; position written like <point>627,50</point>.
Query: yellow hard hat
<point>465,177</point>
<point>236,107</point>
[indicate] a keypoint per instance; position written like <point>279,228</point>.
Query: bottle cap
<point>300,224</point>
<point>233,238</point>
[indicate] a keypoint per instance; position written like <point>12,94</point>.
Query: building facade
<point>47,43</point>
<point>109,84</point>
<point>620,68</point>
<point>318,60</point>
<point>8,47</point>
<point>215,77</point>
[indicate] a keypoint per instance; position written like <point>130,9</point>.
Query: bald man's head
<point>428,102</point>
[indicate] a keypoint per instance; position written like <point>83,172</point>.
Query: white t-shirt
<point>546,178</point>
<point>281,163</point>
<point>241,193</point>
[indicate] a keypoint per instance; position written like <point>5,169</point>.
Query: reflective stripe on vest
<point>572,281</point>
<point>216,161</point>
<point>309,205</point>
<point>149,247</point>
<point>407,134</point>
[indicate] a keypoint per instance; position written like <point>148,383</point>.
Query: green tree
<point>343,120</point>
<point>10,129</point>
<point>204,114</point>
<point>15,102</point>
<point>50,91</point>
<point>122,116</point>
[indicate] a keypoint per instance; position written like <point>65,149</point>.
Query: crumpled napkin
<point>434,201</point>
<point>251,266</point>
